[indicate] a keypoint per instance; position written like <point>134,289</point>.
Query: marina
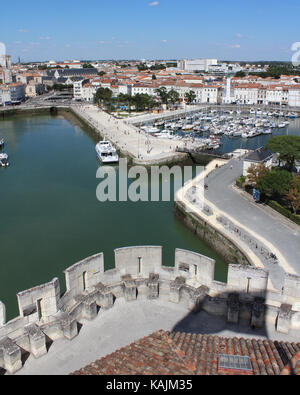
<point>224,130</point>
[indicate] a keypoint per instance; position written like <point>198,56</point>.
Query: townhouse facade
<point>13,93</point>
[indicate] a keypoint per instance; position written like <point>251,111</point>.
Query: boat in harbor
<point>1,143</point>
<point>106,152</point>
<point>281,125</point>
<point>267,131</point>
<point>4,160</point>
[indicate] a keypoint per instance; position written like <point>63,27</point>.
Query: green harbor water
<point>51,218</point>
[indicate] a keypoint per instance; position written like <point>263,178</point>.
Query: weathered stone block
<point>199,297</point>
<point>284,319</point>
<point>130,289</point>
<point>37,341</point>
<point>175,287</point>
<point>11,355</point>
<point>258,314</point>
<point>104,297</point>
<point>90,310</point>
<point>153,286</point>
<point>233,311</point>
<point>69,327</point>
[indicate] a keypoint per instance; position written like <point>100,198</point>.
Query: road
<point>261,220</point>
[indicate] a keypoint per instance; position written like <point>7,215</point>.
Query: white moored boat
<point>1,143</point>
<point>106,152</point>
<point>4,160</point>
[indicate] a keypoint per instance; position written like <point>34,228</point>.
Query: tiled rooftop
<point>166,353</point>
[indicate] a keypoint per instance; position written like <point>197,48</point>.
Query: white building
<point>260,156</point>
<point>294,97</point>
<point>246,94</point>
<point>12,93</point>
<point>277,95</point>
<point>196,64</point>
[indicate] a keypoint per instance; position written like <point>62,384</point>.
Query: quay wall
<point>226,248</point>
<point>46,315</point>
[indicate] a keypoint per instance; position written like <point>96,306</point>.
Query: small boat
<point>281,125</point>
<point>4,160</point>
<point>106,152</point>
<point>188,127</point>
<point>1,143</point>
<point>267,131</point>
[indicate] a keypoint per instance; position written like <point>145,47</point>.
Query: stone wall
<point>217,241</point>
<point>45,315</point>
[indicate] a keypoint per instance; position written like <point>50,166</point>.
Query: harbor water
<point>51,218</point>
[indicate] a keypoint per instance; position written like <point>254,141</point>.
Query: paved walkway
<point>128,322</point>
<point>132,140</point>
<point>246,221</point>
<point>127,137</point>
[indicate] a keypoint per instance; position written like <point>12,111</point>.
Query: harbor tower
<point>6,69</point>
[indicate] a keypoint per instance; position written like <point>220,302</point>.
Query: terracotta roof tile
<point>168,353</point>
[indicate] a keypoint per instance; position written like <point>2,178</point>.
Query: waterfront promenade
<point>128,139</point>
<point>255,229</point>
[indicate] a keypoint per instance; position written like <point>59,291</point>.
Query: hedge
<point>282,210</point>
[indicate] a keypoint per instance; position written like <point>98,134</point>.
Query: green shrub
<point>241,181</point>
<point>284,211</point>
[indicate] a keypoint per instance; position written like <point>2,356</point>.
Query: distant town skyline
<point>143,29</point>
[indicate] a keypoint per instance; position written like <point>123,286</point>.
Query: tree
<point>255,173</point>
<point>101,73</point>
<point>240,74</point>
<point>294,194</point>
<point>103,96</point>
<point>288,148</point>
<point>275,183</point>
<point>142,67</point>
<point>190,96</point>
<point>173,96</point>
<point>87,66</point>
<point>154,77</point>
<point>163,95</point>
<point>143,101</point>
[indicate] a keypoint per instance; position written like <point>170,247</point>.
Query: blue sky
<point>162,29</point>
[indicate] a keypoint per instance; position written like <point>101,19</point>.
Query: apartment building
<point>196,64</point>
<point>12,93</point>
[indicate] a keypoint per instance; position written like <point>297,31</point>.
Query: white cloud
<point>164,41</point>
<point>153,3</point>
<point>239,35</point>
<point>45,38</point>
<point>23,30</point>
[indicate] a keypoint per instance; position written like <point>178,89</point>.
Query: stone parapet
<point>45,315</point>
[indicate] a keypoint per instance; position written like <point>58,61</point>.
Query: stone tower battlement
<point>139,273</point>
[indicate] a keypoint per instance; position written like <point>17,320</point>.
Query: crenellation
<point>85,274</point>
<point>138,261</point>
<point>248,280</point>
<point>2,314</point>
<point>195,266</point>
<point>40,302</point>
<point>139,273</point>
